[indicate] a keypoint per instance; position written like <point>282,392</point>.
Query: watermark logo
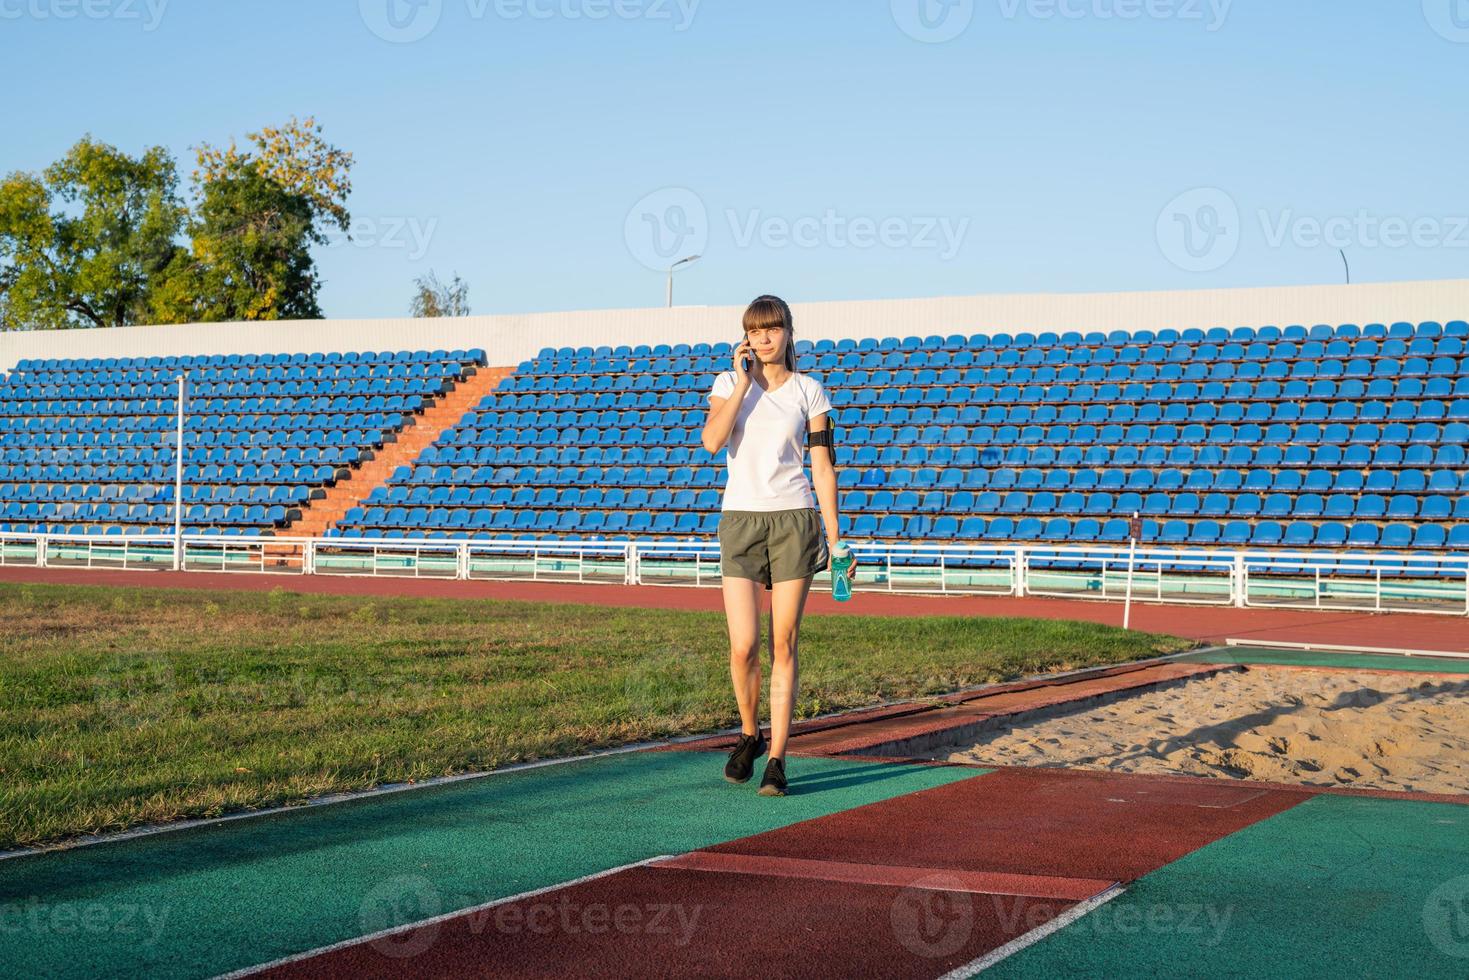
<point>407,21</point>
<point>832,229</point>
<point>665,226</point>
<point>933,917</point>
<point>563,915</point>
<point>933,21</point>
<point>674,222</point>
<point>1211,13</point>
<point>1446,917</point>
<point>1448,18</point>
<point>397,902</point>
<point>147,13</point>
<point>409,234</point>
<point>1363,230</point>
<point>140,923</point>
<point>401,21</point>
<point>679,13</point>
<point>1199,230</point>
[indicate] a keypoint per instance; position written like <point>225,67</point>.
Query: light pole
<point>178,485</point>
<point>683,261</point>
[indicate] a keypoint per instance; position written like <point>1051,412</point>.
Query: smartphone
<point>745,358</point>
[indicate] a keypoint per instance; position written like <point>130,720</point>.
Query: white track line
<point>1337,648</point>
<point>414,926</point>
<point>1033,936</point>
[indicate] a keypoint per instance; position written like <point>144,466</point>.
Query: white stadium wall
<point>510,339</point>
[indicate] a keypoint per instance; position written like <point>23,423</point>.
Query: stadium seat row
<point>374,520</point>
<point>466,357</point>
<point>1047,395</point>
<point>205,381</point>
<point>1402,330</point>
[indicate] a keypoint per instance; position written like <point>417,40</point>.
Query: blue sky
<point>555,153</point>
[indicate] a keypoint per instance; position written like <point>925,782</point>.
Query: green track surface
<point>1335,887</point>
<point>211,899</point>
<point>1314,658</point>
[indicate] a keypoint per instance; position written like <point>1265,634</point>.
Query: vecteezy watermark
<point>390,910</point>
<point>564,915</point>
<point>398,902</point>
<point>1446,917</point>
<point>401,21</point>
<point>1210,13</point>
<point>1205,921</point>
<point>933,917</point>
<point>1198,230</point>
<point>1448,18</point>
<point>933,21</point>
<point>831,229</point>
<point>149,13</point>
<point>406,21</point>
<point>936,21</point>
<point>668,224</point>
<point>665,226</point>
<point>141,922</point>
<point>411,234</point>
<point>1364,230</point>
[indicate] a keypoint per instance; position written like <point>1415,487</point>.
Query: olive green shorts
<point>771,545</point>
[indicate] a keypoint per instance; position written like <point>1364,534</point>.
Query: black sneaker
<point>742,758</point>
<point>773,783</point>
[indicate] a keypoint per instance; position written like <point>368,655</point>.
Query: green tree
<point>85,243</point>
<point>433,298</point>
<point>259,212</point>
<point>250,258</point>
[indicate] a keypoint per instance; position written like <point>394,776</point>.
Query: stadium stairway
<point>443,413</point>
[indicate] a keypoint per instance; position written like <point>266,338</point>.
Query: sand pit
<point>1317,728</point>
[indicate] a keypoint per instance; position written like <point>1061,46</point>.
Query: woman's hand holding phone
<point>742,356</point>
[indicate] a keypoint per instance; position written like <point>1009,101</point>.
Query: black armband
<point>823,437</point>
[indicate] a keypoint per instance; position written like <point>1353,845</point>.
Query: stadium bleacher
<point>1340,437</point>
<point>86,445</point>
<point>1336,437</point>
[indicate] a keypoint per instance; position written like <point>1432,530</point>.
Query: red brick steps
<point>442,413</point>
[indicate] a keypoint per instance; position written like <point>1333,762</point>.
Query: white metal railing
<point>1375,581</point>
<point>1379,582</point>
<point>1158,574</point>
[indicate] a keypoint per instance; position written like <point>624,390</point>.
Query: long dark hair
<point>767,311</point>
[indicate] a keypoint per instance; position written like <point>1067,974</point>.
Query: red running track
<point>839,896</point>
<point>1207,623</point>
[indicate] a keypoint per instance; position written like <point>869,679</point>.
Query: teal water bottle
<point>841,566</point>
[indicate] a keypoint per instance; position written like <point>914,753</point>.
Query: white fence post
<point>1131,564</point>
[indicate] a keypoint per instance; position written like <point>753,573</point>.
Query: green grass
<point>127,706</point>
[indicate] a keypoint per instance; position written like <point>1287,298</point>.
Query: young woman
<point>770,533</point>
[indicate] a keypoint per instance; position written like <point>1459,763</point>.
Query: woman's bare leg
<point>787,605</point>
<point>742,610</point>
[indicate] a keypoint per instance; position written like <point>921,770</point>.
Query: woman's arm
<point>824,480</point>
<point>722,415</point>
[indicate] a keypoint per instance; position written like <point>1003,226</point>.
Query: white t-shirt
<point>767,447</point>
